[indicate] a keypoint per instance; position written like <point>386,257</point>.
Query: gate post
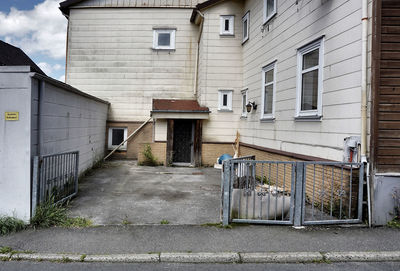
<point>298,195</point>
<point>35,185</point>
<point>226,192</point>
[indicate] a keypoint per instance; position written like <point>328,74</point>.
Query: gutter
<point>364,78</point>
<point>196,71</point>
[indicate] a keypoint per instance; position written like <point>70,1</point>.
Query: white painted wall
<point>293,27</point>
<point>110,56</point>
<point>70,121</point>
<point>15,139</point>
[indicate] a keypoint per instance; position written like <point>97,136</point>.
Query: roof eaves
<point>201,6</point>
<point>64,6</point>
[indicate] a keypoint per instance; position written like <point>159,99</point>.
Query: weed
<point>125,221</point>
<point>50,214</point>
<point>149,159</point>
<point>83,256</point>
<point>5,250</point>
<point>65,260</point>
<point>4,259</point>
<point>77,222</point>
<point>164,222</point>
<point>10,224</point>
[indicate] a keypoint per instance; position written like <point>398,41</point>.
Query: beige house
<point>298,79</point>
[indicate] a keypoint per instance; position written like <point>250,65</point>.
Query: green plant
<point>149,159</point>
<point>83,256</point>
<point>66,260</point>
<point>5,250</point>
<point>125,221</point>
<point>49,214</point>
<point>164,222</point>
<point>10,224</point>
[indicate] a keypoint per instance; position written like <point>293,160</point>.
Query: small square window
<point>269,10</point>
<point>309,80</point>
<point>225,100</point>
<point>227,25</point>
<point>164,39</point>
<point>116,136</point>
<point>245,23</point>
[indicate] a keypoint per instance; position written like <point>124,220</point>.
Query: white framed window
<point>309,79</point>
<point>244,103</point>
<point>269,10</point>
<point>227,23</point>
<point>164,39</point>
<point>245,25</point>
<point>268,91</point>
<point>116,135</point>
<point>225,100</point>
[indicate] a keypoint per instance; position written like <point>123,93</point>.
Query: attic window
<point>227,23</point>
<point>164,39</point>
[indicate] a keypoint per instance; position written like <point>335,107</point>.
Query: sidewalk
<point>153,239</point>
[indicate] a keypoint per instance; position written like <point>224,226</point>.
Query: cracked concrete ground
<point>121,192</point>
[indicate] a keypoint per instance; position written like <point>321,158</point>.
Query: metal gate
<point>291,193</point>
<point>56,176</point>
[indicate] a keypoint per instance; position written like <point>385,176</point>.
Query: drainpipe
<point>196,71</point>
<point>364,57</point>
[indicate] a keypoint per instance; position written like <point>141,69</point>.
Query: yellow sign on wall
<point>12,115</point>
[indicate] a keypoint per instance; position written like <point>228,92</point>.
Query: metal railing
<point>56,176</point>
<point>294,193</point>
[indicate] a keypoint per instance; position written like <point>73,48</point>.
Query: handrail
<point>123,142</point>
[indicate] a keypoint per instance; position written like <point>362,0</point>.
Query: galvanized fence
<point>56,176</point>
<point>291,193</point>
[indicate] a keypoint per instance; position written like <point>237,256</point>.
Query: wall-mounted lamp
<point>251,105</point>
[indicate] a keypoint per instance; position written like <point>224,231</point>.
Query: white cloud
<point>46,67</point>
<point>40,30</point>
<point>62,78</point>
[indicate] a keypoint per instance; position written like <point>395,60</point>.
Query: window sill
<point>267,120</point>
<point>119,150</point>
<point>269,19</point>
<point>225,110</point>
<point>308,118</point>
<point>243,42</point>
<point>243,117</point>
<point>227,35</point>
<point>164,49</point>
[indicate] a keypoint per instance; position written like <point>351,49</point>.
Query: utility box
<point>351,149</point>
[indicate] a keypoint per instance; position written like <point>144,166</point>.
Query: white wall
<point>70,121</point>
<point>15,139</point>
<point>294,26</point>
<point>110,56</point>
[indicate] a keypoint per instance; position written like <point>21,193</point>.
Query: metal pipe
<point>196,67</point>
<point>369,197</point>
<point>364,55</point>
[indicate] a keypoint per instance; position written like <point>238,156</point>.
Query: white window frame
<point>110,145</point>
<point>270,116</point>
<point>246,17</point>
<point>317,113</point>
<point>221,94</point>
<point>265,17</point>
<point>160,31</point>
<point>246,100</point>
<point>230,31</point>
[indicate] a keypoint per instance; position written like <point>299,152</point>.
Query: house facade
<point>292,77</point>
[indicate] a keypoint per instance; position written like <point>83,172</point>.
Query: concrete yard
<point>121,192</point>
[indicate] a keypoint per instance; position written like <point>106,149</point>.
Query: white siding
<point>294,26</point>
<point>110,56</point>
<point>221,68</point>
<point>140,3</point>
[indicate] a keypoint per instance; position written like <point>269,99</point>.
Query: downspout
<point>364,59</point>
<point>196,71</point>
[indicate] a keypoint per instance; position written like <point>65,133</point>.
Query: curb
<point>210,257</point>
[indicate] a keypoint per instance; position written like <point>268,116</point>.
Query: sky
<point>39,29</point>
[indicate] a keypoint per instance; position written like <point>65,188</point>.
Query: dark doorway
<point>183,141</point>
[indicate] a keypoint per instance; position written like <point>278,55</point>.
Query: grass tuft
<point>10,224</point>
<point>164,222</point>
<point>50,214</point>
<point>5,250</point>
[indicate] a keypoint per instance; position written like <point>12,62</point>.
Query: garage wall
<point>70,121</point>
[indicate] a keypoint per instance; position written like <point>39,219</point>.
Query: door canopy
<point>178,109</point>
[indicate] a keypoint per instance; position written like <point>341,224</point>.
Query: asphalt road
<point>48,266</point>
